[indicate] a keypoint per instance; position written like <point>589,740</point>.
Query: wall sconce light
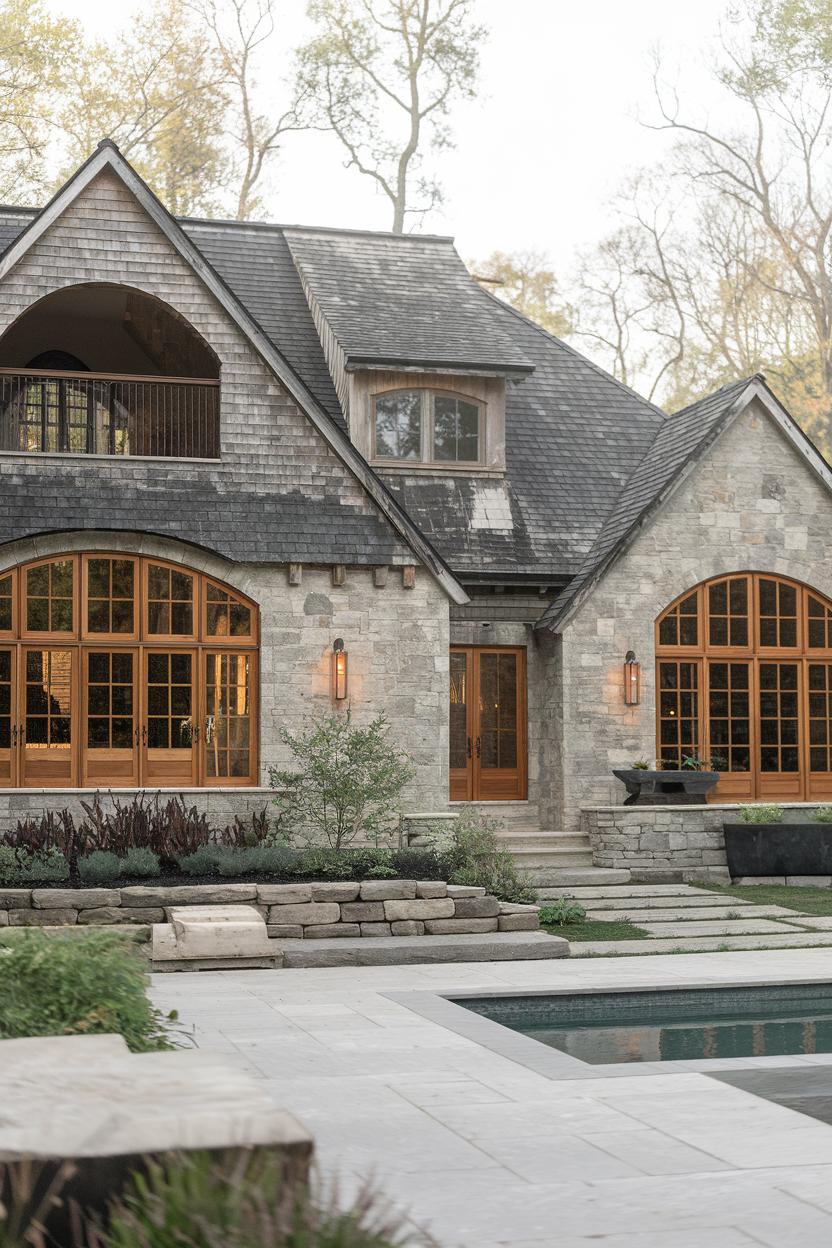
<point>632,679</point>
<point>339,669</point>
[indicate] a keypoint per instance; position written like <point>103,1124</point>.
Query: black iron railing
<point>105,414</point>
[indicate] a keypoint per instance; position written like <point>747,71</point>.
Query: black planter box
<point>666,788</point>
<point>778,848</point>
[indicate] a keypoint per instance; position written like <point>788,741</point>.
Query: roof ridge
<point>340,230</point>
<point>723,389</point>
<point>573,351</point>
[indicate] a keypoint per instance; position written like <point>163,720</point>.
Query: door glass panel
<point>110,595</point>
<point>170,602</point>
<point>6,659</point>
<point>110,710</point>
<point>498,711</point>
<point>6,614</point>
<point>678,713</point>
<point>459,711</point>
<point>225,614</point>
<point>820,716</point>
<point>729,716</point>
<point>779,717</point>
<point>680,627</point>
<point>49,597</point>
<point>48,699</point>
<point>169,701</point>
<point>228,715</point>
<point>728,612</point>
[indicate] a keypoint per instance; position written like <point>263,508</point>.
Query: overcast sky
<point>539,154</point>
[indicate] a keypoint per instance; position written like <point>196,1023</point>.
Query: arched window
<point>122,671</point>
<point>744,682</point>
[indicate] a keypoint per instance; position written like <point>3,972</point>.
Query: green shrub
<point>477,857</point>
<point>564,910</point>
<point>19,867</point>
<point>203,861</point>
<point>78,984</point>
<point>823,814</point>
<point>257,860</point>
<point>140,862</point>
<point>241,1200</point>
<point>347,784</point>
<point>99,868</point>
<point>761,814</point>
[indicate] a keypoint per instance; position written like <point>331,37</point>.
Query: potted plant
<point>762,842</point>
<point>688,785</point>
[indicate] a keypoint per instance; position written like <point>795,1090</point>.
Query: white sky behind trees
<point>538,156</point>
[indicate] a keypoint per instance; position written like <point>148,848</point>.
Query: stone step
<point>719,927</point>
<point>552,857</point>
<point>555,882</point>
<point>546,841</point>
<point>401,950</point>
<point>702,944</point>
<point>619,888</point>
<point>695,904</point>
<point>698,915</point>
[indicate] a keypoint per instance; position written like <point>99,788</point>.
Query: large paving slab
<point>626,890</point>
<point>719,927</point>
<point>816,922</point>
<point>683,901</point>
<point>484,1150</point>
<point>700,914</point>
<point>699,944</point>
<point>404,950</point>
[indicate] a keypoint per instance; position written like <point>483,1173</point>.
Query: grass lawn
<point>596,929</point>
<point>809,900</point>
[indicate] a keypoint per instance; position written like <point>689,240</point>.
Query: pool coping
<point>441,1008</point>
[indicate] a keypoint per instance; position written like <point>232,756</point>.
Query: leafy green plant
<point>83,983</point>
<point>99,867</point>
<point>347,783</point>
<point>19,867</point>
<point>823,814</point>
<point>140,862</point>
<point>692,762</point>
<point>641,764</point>
<point>476,857</point>
<point>762,813</point>
<point>564,910</point>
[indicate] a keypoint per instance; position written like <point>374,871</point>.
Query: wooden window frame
<point>754,784</point>
<point>80,642</point>
<point>427,394</point>
<point>169,639</point>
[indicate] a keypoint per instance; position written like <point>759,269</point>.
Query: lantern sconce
<point>632,679</point>
<point>339,669</point>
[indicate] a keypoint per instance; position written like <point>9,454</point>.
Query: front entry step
<point>556,881</point>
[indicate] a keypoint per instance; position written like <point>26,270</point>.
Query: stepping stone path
<point>679,918</point>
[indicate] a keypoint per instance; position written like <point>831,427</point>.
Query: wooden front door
<point>230,720</point>
<point>8,717</point>
<point>170,732</point>
<point>48,720</point>
<point>487,723</point>
<point>110,727</point>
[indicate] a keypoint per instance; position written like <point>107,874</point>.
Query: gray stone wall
<point>292,911</point>
<point>660,844</point>
<point>752,504</point>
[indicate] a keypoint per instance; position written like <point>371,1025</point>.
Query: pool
<point>671,1025</point>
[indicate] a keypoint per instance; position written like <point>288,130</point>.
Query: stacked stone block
<point>292,911</point>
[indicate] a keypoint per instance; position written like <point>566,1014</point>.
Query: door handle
<point>137,732</point>
<point>14,735</point>
<point>469,746</point>
<point>479,751</point>
<point>144,734</point>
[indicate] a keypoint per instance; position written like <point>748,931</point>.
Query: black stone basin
<point>667,788</point>
<point>778,848</point>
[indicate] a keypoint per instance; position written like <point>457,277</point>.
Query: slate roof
<point>403,299</point>
<point>681,438</point>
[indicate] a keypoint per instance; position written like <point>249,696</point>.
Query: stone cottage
<point>252,471</point>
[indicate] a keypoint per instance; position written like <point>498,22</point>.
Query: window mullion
<point>427,427</point>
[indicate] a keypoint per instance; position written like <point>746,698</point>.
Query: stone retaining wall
<point>666,844</point>
<point>291,911</point>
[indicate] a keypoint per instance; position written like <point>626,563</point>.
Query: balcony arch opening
<point>110,370</point>
<point>744,683</point>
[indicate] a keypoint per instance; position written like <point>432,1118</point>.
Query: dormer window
<point>429,427</point>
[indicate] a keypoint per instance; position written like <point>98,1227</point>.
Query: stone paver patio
<point>483,1149</point>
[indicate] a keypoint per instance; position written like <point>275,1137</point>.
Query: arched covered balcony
<point>102,369</point>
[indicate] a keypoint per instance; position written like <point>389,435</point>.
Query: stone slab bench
<point>212,938</point>
<point>89,1101</point>
<point>408,950</point>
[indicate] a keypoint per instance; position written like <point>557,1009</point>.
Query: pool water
<point>671,1025</point>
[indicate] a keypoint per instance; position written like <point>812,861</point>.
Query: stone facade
<point>751,504</point>
<point>292,911</point>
